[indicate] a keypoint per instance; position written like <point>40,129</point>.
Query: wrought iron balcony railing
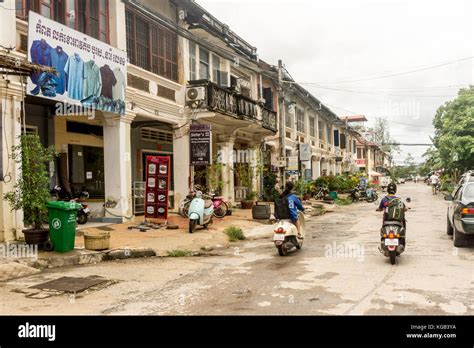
<point>226,101</point>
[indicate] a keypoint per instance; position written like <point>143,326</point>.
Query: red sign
<point>157,187</point>
<point>360,161</point>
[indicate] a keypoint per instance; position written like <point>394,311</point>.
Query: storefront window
<point>86,170</point>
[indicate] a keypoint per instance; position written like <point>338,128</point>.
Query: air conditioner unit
<point>194,94</point>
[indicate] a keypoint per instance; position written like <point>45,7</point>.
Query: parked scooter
<point>200,211</point>
<point>83,213</point>
<point>393,237</point>
<point>285,235</point>
<point>369,195</point>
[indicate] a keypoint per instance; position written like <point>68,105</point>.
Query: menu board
<point>157,187</point>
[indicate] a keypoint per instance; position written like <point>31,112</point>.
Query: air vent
<point>156,135</point>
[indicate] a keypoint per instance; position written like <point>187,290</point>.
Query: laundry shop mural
<point>89,73</point>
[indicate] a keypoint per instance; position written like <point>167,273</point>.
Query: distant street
<point>338,271</point>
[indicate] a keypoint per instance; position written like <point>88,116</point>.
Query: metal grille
<point>142,31</point>
<point>156,135</point>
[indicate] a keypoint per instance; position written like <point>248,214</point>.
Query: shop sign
<point>90,73</point>
<point>200,144</point>
<point>157,187</point>
<point>292,163</point>
<point>305,152</point>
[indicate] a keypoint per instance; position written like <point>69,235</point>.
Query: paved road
<point>338,271</point>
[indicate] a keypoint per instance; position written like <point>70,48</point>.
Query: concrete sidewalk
<point>132,243</point>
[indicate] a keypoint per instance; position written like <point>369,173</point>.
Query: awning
<point>371,173</point>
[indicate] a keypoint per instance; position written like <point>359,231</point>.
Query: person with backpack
<point>287,205</point>
<point>392,206</point>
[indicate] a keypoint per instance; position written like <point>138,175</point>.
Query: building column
<point>117,167</point>
<point>181,163</point>
<point>316,168</point>
<point>225,148</point>
<point>11,222</point>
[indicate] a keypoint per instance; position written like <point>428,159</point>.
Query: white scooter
<point>285,235</point>
<point>200,211</point>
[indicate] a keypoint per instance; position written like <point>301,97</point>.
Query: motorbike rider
<point>294,204</point>
<point>385,202</point>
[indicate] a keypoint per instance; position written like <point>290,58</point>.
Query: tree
<point>454,132</point>
<point>31,192</point>
<point>382,136</point>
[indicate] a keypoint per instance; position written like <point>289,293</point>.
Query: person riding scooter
<point>385,202</point>
<point>288,204</point>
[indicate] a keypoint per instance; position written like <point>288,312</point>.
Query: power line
<point>385,94</point>
<point>402,73</point>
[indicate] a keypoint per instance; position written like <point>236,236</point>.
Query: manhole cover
<point>70,284</point>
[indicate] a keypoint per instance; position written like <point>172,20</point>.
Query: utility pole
<point>281,109</point>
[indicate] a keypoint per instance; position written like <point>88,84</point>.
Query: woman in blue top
<point>293,203</point>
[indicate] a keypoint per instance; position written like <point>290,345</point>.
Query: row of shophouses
<point>184,66</point>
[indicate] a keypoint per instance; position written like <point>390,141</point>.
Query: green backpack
<point>396,210</point>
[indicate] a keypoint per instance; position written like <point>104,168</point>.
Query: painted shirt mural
<point>59,60</point>
<point>75,71</point>
<point>88,72</point>
<point>92,80</point>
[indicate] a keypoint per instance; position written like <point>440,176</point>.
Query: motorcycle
<point>84,212</point>
<point>321,192</point>
<point>393,238</point>
<point>200,212</point>
<point>286,237</point>
<point>221,208</point>
<point>369,195</point>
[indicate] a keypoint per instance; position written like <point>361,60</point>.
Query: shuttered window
<point>151,46</point>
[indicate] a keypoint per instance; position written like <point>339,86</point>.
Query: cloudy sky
<point>398,59</point>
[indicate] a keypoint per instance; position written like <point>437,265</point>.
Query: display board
<point>157,187</point>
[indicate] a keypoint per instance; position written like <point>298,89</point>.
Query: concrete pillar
<point>11,222</point>
<point>181,163</point>
<point>225,148</point>
<point>117,166</point>
<point>316,168</point>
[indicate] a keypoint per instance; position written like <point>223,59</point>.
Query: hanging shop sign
<point>90,73</point>
<point>292,163</point>
<point>200,144</point>
<point>157,187</point>
<point>305,152</point>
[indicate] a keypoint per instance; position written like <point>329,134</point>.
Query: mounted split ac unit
<point>195,94</point>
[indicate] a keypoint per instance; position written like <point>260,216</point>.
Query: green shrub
<point>234,233</point>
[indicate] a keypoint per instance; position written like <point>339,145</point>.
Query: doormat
<point>70,284</point>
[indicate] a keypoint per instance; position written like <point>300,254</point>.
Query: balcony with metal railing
<point>228,102</point>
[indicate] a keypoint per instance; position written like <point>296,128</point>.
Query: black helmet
<point>392,188</point>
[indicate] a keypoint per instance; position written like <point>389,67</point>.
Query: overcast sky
<point>330,46</point>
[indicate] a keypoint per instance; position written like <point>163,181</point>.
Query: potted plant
<point>31,192</point>
<point>246,175</point>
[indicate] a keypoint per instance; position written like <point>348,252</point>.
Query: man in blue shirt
<point>294,203</point>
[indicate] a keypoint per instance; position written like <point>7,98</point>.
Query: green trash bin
<point>333,194</point>
<point>62,224</point>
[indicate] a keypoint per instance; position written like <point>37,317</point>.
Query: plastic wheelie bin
<point>62,224</point>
